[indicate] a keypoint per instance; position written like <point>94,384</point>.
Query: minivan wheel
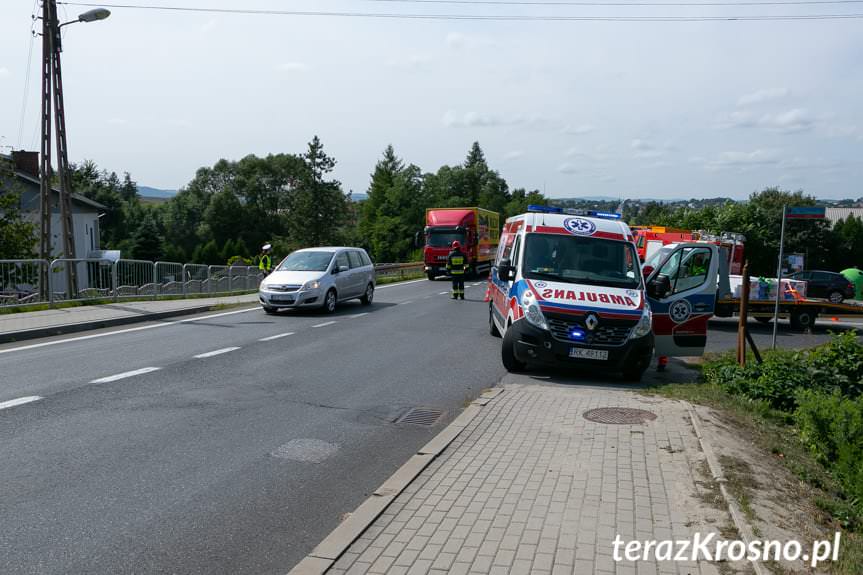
<point>507,353</point>
<point>835,297</point>
<point>369,295</point>
<point>330,301</point>
<point>270,310</point>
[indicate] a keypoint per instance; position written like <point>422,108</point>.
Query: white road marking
<point>325,324</point>
<point>216,352</point>
<point>19,401</point>
<point>443,293</point>
<point>126,374</point>
<point>356,315</point>
<point>397,284</point>
<point>406,302</point>
<point>128,330</point>
<point>277,336</point>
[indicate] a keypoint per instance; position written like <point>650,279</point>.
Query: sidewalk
<point>532,486</point>
<point>29,325</point>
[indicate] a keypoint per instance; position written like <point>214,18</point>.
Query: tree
<point>17,235</point>
<point>147,241</point>
<point>317,209</point>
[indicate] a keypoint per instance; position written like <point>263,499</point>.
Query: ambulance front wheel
<point>492,327</point>
<point>634,373</point>
<point>507,353</point>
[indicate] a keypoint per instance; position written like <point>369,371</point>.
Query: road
<point>232,442</point>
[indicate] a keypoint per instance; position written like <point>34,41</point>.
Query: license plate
<point>582,353</point>
<point>283,298</point>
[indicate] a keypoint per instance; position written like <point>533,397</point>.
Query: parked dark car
<point>828,285</point>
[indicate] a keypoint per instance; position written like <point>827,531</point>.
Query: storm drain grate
<point>619,415</point>
<point>421,416</point>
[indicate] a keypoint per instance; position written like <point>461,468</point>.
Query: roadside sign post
<point>793,213</point>
<point>778,277</point>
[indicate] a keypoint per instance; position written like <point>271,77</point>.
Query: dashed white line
<point>356,315</point>
<point>325,324</point>
<point>277,336</point>
<point>126,374</point>
<point>406,302</point>
<point>216,352</point>
<point>443,293</point>
<point>19,401</point>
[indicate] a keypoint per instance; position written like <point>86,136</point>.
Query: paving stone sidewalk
<point>13,323</point>
<point>531,486</point>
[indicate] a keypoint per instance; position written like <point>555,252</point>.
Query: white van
<point>567,288</point>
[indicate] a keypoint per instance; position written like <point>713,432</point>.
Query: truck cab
<point>476,229</point>
<point>568,289</point>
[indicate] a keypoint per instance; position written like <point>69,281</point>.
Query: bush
<point>831,426</point>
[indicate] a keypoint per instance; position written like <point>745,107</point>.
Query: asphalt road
<point>233,442</point>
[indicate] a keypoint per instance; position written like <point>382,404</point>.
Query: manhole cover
<point>421,416</point>
<point>619,415</point>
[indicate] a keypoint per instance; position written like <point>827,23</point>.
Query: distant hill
<point>358,197</point>
<point>148,192</point>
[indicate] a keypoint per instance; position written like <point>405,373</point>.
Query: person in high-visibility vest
<point>265,262</point>
<point>456,266</point>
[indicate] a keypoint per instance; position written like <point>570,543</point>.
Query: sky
<point>572,108</point>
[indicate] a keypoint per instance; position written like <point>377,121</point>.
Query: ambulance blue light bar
<point>605,215</point>
<point>544,209</point>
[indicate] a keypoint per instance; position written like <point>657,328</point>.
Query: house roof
<point>75,197</point>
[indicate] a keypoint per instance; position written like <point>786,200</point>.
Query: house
<point>23,168</point>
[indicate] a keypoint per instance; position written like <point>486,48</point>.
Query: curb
<point>330,549</point>
<point>743,527</point>
<point>23,335</point>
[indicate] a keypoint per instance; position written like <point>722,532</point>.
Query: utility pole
<point>52,85</point>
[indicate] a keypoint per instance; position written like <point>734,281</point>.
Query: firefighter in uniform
<point>265,261</point>
<point>456,266</point>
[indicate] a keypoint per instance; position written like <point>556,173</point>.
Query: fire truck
<point>649,240</point>
<point>476,229</point>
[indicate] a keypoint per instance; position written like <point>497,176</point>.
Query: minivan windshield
<point>306,262</point>
<point>444,239</point>
<point>581,259</point>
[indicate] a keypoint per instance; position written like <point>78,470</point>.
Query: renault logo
<point>591,322</point>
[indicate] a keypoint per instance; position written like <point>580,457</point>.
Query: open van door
<point>681,291</point>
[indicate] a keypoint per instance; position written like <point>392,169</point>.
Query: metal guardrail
<point>35,281</point>
<point>398,270</point>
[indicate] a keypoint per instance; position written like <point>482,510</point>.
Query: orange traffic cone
<point>487,297</point>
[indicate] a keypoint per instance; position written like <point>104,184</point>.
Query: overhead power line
<point>487,17</point>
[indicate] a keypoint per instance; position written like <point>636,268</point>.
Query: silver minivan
<point>319,277</point>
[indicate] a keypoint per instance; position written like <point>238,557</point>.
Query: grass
<point>773,431</point>
<point>402,278</point>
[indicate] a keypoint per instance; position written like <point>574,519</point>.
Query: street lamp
<point>89,16</point>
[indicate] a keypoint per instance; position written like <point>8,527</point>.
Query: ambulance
<point>567,288</point>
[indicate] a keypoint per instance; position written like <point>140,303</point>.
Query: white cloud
<point>292,67</point>
<point>763,95</point>
<point>209,25</point>
<point>578,130</point>
<point>452,119</point>
<point>742,160</point>
<point>410,63</point>
<point>787,122</point>
<point>568,168</point>
<point>459,41</point>
<point>4,73</point>
<point>647,150</point>
<point>513,155</point>
<point>118,121</point>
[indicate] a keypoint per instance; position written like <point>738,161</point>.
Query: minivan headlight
<point>312,284</point>
<point>644,325</point>
<point>532,313</point>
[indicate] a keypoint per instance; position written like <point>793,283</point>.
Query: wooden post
<point>744,317</point>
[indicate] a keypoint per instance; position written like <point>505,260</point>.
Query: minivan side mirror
<point>659,287</point>
<point>505,269</point>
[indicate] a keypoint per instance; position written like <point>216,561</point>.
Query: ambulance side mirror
<point>504,269</point>
<point>659,287</point>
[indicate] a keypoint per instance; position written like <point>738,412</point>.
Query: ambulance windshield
<point>581,259</point>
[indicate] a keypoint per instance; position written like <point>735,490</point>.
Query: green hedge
<point>821,391</point>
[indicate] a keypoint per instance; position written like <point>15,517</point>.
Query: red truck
<point>477,230</point>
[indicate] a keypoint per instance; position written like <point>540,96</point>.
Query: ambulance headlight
<point>532,313</point>
<point>313,284</point>
<point>644,325</point>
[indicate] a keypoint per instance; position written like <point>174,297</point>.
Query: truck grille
<point>608,332</point>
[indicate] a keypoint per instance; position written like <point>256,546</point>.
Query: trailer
<point>801,313</point>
